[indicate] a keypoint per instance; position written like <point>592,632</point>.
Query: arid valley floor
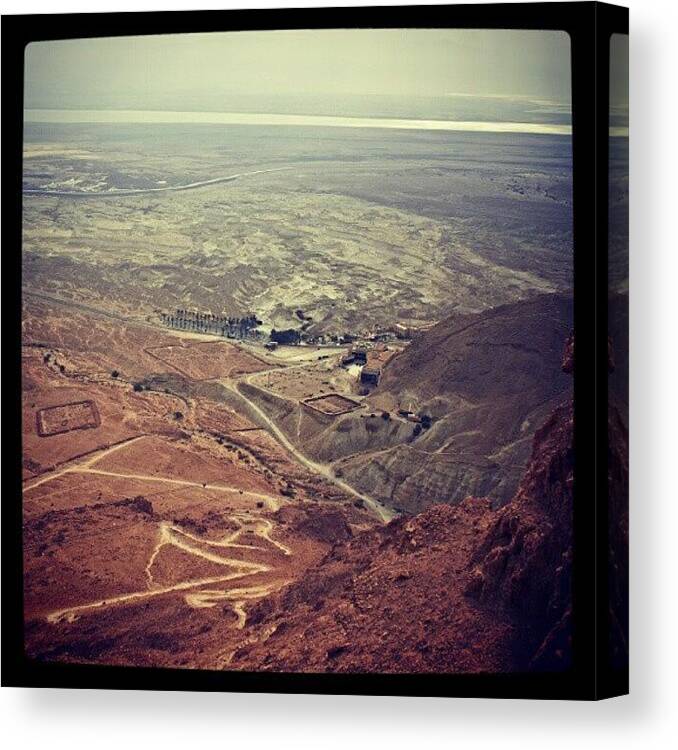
<point>203,501</point>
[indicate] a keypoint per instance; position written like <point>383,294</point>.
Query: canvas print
<point>297,351</point>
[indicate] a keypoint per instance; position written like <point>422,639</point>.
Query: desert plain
<point>177,481</point>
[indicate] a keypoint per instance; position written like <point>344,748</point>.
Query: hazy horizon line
<point>122,116</point>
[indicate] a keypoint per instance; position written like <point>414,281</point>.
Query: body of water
<point>64,116</point>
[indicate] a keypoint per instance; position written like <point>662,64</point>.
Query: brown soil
<point>123,414</point>
<point>453,589</point>
<point>176,534</point>
<point>208,360</point>
<point>148,538</point>
<point>389,600</point>
<point>81,415</point>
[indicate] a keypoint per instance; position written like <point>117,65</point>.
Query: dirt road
<point>195,596</point>
<point>88,467</point>
<point>383,513</point>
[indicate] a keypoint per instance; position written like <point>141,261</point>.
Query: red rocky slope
<point>453,589</point>
<point>388,600</point>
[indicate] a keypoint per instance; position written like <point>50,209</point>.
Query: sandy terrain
<point>352,236</point>
<point>163,510</point>
<point>175,484</point>
<point>208,360</point>
<point>309,380</point>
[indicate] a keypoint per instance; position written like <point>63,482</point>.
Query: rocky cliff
<point>488,381</point>
<point>460,588</point>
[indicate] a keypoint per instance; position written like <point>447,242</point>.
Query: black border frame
<point>589,25</point>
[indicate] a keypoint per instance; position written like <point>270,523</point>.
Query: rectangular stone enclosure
<point>332,404</point>
<point>78,415</point>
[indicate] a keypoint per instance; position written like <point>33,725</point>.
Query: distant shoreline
<point>157,117</point>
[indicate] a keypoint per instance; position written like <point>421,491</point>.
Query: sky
<point>619,79</point>
<point>226,71</point>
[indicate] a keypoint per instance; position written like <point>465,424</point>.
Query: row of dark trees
<point>228,326</point>
<point>288,336</point>
<point>250,319</point>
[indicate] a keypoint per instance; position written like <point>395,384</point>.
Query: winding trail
<point>237,597</point>
<point>71,467</point>
<point>383,513</point>
<point>71,614</point>
<point>271,501</point>
<point>87,467</point>
<point>172,535</point>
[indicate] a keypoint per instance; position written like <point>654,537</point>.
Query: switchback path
<point>196,596</point>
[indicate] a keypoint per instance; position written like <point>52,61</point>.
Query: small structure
<point>271,345</point>
<point>370,375</point>
<point>380,355</point>
<point>355,355</point>
<point>360,355</point>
